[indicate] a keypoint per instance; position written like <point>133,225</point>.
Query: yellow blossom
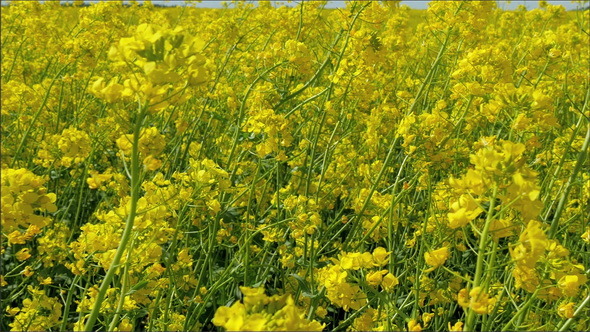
<point>389,281</point>
<point>375,278</point>
<point>458,327</point>
<point>566,310</point>
<point>414,326</point>
<point>476,300</point>
<point>23,254</point>
<point>436,258</point>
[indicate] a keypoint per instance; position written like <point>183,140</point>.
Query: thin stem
<point>581,157</point>
<point>122,295</point>
<point>481,251</point>
<point>135,187</point>
<point>576,314</point>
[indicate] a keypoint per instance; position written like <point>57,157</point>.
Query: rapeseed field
<point>267,167</point>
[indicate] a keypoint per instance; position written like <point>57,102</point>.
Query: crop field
<point>265,167</point>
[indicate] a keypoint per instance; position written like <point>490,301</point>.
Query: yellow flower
<point>500,228</point>
<point>255,322</point>
<point>380,256</point>
<point>458,327</point>
<point>389,281</point>
<point>477,300</point>
<point>436,258</point>
<point>12,311</point>
<point>570,284</point>
<point>151,163</point>
<point>254,296</point>
<point>332,276</point>
<point>38,313</point>
<point>28,271</point>
<point>75,146</point>
<point>23,254</point>
<point>125,325</point>
<point>111,92</point>
<point>566,310</point>
<point>375,278</point>
<point>427,317</point>
<point>414,326</point>
<point>231,318</point>
<point>264,313</point>
<point>321,312</point>
<point>463,211</point>
<point>348,296</point>
<point>23,196</point>
<point>533,243</point>
<point>96,179</point>
<point>365,321</point>
<point>356,260</point>
<point>46,281</point>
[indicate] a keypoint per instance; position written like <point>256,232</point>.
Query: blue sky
<point>417,4</point>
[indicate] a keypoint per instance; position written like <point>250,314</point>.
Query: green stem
<point>481,251</point>
<point>526,305</point>
<point>124,285</point>
<point>573,177</point>
<point>68,303</point>
<point>241,116</point>
<point>135,188</point>
<point>553,177</point>
<point>370,195</point>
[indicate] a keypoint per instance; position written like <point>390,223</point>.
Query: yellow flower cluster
<point>477,300</point>
<point>151,144</point>
<point>259,312</point>
<point>163,63</point>
<point>23,196</point>
<point>534,250</point>
<point>349,295</point>
<point>38,313</point>
<point>499,165</point>
<point>72,147</point>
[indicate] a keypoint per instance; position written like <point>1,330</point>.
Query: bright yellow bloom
<point>566,310</point>
<point>263,313</point>
<point>39,313</point>
<point>476,300</point>
<point>570,284</point>
<point>125,325</point>
<point>23,197</point>
<point>375,278</point>
<point>533,243</point>
<point>380,256</point>
<point>231,318</point>
<point>389,281</point>
<point>463,211</point>
<point>436,258</point>
<point>23,254</point>
<point>414,326</point>
<point>356,260</point>
<point>458,327</point>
